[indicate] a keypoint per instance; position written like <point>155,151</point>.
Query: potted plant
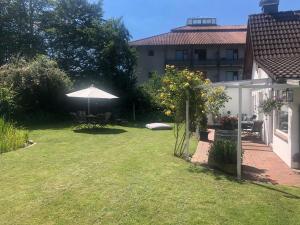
<point>203,132</point>
<point>229,123</point>
<point>222,156</point>
<point>228,128</point>
<point>271,104</point>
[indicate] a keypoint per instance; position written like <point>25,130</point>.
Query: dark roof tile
<point>281,67</point>
<point>276,43</point>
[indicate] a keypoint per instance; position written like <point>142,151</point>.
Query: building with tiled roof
<point>202,45</point>
<point>273,53</point>
<point>274,44</point>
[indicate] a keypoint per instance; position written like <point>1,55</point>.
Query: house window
<point>232,54</point>
<point>201,54</point>
<point>232,75</point>
<point>181,55</point>
<point>282,119</point>
<point>150,53</point>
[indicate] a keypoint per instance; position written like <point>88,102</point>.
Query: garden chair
<point>255,129</point>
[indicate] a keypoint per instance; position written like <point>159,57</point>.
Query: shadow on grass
<point>101,130</point>
<point>216,173</point>
<point>273,188</point>
<point>57,125</point>
<point>221,176</point>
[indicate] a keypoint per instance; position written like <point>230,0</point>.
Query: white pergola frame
<point>255,84</point>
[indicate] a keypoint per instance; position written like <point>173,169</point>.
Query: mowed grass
<point>127,175</point>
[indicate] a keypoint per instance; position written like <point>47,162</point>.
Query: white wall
<point>233,105</point>
<point>286,146</point>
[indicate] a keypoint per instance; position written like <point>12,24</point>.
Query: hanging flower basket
<point>271,104</point>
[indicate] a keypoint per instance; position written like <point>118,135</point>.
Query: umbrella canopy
<point>93,93</point>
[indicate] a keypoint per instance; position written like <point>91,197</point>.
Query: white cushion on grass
<point>158,126</point>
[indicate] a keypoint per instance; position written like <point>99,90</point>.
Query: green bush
<point>223,152</point>
<point>7,102</point>
<point>11,138</point>
<point>148,105</point>
<point>38,84</point>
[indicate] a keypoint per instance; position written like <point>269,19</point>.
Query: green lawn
<point>127,175</point>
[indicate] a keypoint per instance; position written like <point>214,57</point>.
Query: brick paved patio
<point>259,163</point>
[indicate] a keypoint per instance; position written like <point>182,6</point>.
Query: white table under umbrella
<point>91,93</point>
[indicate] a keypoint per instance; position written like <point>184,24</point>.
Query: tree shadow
<point>272,188</point>
<point>100,130</point>
<point>254,174</point>
<point>218,175</point>
<point>50,125</point>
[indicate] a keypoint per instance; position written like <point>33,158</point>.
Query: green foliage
<point>77,25</point>
<point>223,152</point>
<point>38,84</point>
<point>182,85</point>
<point>7,102</point>
<point>98,51</point>
<point>11,138</point>
<point>271,104</point>
<point>152,87</point>
<point>148,100</point>
<point>178,86</point>
<point>72,32</point>
<point>20,28</point>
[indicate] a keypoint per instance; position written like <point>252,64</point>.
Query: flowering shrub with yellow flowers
<point>180,85</point>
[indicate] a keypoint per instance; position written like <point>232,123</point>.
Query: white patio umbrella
<point>91,93</point>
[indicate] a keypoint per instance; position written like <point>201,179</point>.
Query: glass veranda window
<point>283,119</point>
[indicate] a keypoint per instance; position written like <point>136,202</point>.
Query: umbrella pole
<point>88,106</point>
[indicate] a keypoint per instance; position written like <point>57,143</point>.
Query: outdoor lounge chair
<point>255,129</point>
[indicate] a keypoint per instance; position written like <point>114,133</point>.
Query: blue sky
<point>146,18</point>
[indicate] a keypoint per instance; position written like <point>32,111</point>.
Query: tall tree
<point>117,60</point>
<point>73,30</point>
<point>20,32</point>
<point>89,48</point>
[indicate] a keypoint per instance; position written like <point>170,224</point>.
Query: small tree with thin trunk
<point>180,85</point>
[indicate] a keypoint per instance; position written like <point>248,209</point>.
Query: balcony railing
<point>179,63</point>
<point>207,62</point>
<point>203,63</point>
<point>231,62</point>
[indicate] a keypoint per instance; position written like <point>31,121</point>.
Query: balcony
<point>179,63</point>
<point>204,63</point>
<point>207,62</point>
<point>231,62</point>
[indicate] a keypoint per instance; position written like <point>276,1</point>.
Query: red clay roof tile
<point>200,35</point>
